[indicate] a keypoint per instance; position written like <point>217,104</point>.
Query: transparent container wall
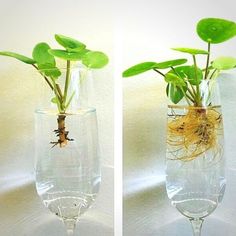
<point>195,163</point>
<point>67,177</point>
<point>209,94</point>
<point>81,85</point>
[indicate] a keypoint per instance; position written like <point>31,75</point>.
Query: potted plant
<point>195,179</point>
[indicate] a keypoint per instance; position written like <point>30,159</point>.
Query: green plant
<point>44,61</point>
<point>196,132</point>
<point>184,81</point>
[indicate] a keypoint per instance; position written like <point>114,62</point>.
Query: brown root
<point>61,132</point>
<point>192,134</point>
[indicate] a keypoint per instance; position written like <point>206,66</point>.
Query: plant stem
<point>67,80</point>
<point>59,90</point>
<point>70,99</point>
<point>198,95</point>
<point>185,95</point>
<point>190,98</point>
<point>208,60</point>
<point>212,74</point>
<point>159,72</point>
<point>59,98</point>
<point>175,71</point>
<point>191,93</point>
<point>43,76</point>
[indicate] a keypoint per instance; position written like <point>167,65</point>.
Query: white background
<point>150,29</point>
<point>22,25</point>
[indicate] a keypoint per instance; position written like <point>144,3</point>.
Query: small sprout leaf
<point>215,30</point>
<point>19,57</point>
<point>224,63</point>
<point>54,100</point>
<point>95,59</point>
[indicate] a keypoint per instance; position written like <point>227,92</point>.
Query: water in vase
<point>195,179</point>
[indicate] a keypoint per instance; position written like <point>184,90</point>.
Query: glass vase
<point>80,94</point>
<point>67,167</point>
<point>195,162</point>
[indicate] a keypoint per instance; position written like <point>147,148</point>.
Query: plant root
<point>61,132</point>
<point>193,134</point>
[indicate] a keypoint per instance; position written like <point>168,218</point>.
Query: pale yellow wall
<point>23,24</point>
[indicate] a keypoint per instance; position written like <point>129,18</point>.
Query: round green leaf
<point>95,60</point>
<point>49,70</point>
<point>41,54</point>
<point>19,57</point>
<point>215,30</point>
<point>69,43</point>
<point>138,69</point>
<point>175,93</point>
<point>174,79</point>
<point>191,75</point>
<point>168,64</point>
<point>82,51</point>
<point>181,71</point>
<point>192,51</point>
<point>70,56</point>
<point>224,63</point>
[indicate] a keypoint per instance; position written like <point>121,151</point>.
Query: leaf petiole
<point>208,60</point>
<point>198,96</point>
<point>67,80</point>
<point>43,76</point>
<point>159,72</point>
<point>70,99</point>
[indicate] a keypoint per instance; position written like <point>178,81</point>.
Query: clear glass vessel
<point>81,93</point>
<point>195,162</point>
<point>67,168</point>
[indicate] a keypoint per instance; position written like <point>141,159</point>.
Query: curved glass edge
<point>74,67</point>
<point>81,111</point>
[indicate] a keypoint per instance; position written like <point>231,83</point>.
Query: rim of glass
<point>53,112</point>
<point>74,66</point>
<point>193,107</point>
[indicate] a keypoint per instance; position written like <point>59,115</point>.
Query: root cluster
<point>192,134</point>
